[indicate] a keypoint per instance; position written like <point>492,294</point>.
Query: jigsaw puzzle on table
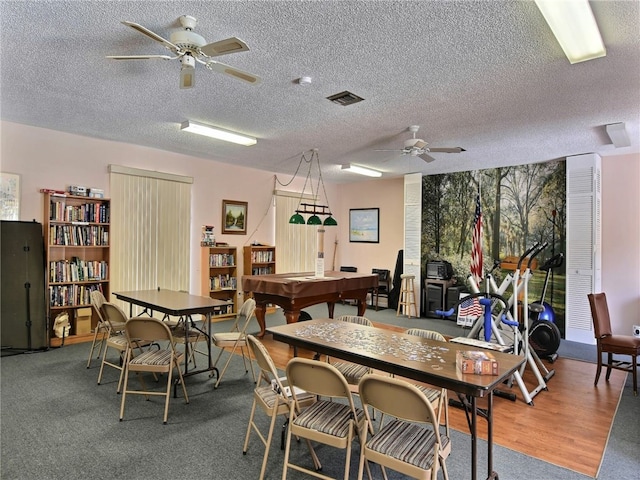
<point>374,342</point>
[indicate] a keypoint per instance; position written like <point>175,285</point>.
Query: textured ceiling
<point>487,76</point>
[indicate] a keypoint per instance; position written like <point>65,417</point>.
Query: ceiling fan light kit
<point>575,28</point>
<point>217,133</point>
<point>361,170</point>
<point>416,147</point>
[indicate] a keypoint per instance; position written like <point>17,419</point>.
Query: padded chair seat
<point>268,396</point>
<point>152,357</point>
<point>408,442</point>
<point>622,344</point>
<point>331,418</point>
<point>432,394</point>
<point>351,371</point>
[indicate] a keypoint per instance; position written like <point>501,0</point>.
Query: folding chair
<point>102,329</point>
<point>334,423</point>
<point>437,396</point>
<point>163,360</point>
<point>116,339</point>
<point>409,442</point>
<point>273,396</point>
<point>236,338</point>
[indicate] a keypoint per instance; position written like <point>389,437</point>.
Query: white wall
<point>50,159</point>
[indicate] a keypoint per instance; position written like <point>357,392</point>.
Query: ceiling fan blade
<point>426,158</point>
<point>223,47</point>
<point>140,57</point>
<point>419,143</point>
<point>447,149</point>
<point>234,72</point>
<point>154,36</point>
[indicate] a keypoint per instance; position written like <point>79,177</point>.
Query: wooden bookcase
<point>76,238</point>
<point>219,278</point>
<point>259,260</point>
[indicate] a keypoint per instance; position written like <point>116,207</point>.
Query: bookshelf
<point>76,238</point>
<point>259,260</point>
<point>219,278</point>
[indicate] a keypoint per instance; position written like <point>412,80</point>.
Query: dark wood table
<point>408,356</point>
<point>178,304</point>
<point>295,291</point>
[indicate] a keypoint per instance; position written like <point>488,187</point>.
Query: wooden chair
<point>383,288</point>
<point>410,441</point>
<point>163,360</point>
<point>236,339</point>
<point>333,423</point>
<point>612,344</point>
<point>273,397</point>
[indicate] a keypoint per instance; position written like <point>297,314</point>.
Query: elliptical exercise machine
<point>544,334</point>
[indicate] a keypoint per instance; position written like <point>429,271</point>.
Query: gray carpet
<point>58,423</point>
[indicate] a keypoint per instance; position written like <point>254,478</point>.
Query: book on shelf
<point>478,362</point>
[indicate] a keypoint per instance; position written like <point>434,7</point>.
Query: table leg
<point>490,473</point>
<point>260,312</point>
<point>330,308</point>
<point>474,437</point>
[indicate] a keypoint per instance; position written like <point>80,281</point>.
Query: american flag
<point>470,308</point>
<point>476,247</point>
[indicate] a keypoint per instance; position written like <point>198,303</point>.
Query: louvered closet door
<point>584,244</point>
<point>413,230</point>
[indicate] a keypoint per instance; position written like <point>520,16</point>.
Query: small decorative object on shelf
<point>476,362</point>
<point>208,237</point>
<point>78,191</point>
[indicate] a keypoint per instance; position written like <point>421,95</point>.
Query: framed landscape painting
<point>364,225</point>
<point>234,217</point>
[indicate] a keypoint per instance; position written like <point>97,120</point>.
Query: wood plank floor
<point>568,425</point>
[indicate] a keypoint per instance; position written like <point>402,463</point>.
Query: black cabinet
<point>23,307</point>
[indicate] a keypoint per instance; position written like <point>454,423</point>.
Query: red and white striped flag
<point>476,247</point>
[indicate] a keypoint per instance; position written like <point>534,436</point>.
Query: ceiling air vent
<point>345,98</point>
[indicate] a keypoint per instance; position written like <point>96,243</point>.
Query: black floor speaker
<point>23,312</point>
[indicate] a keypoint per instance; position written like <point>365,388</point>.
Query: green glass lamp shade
<point>297,219</point>
<point>314,220</point>
<point>330,222</point>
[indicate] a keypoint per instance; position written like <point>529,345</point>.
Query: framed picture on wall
<point>364,225</point>
<point>234,217</point>
<point>9,196</point>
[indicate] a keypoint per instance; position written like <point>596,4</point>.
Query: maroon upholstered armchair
<point>612,344</point>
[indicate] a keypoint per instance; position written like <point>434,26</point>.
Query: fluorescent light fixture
<point>218,133</point>
<point>618,134</point>
<point>575,28</point>
<point>361,170</point>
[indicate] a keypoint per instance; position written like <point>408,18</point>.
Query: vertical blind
<point>296,244</point>
<point>150,229</point>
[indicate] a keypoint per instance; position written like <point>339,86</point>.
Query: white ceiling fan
<point>416,147</point>
<point>190,48</point>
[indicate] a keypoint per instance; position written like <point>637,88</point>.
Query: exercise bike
<point>544,334</point>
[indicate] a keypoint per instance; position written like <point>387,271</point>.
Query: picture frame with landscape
<point>234,217</point>
<point>364,225</point>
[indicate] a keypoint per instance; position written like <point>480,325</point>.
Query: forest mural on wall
<point>521,205</point>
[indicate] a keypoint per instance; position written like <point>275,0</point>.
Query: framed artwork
<point>9,196</point>
<point>364,225</point>
<point>234,217</point>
